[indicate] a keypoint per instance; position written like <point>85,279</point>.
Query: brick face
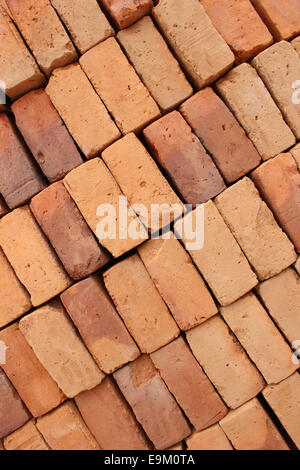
<point>212,438</point>
<point>281,17</point>
<point>126,12</point>
<point>26,438</point>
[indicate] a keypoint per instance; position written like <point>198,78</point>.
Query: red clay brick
<point>73,241</point>
<point>180,153</point>
<point>43,32</point>
<point>240,25</point>
<point>110,419</point>
<point>19,178</point>
<point>98,323</point>
<point>26,438</point>
<point>221,134</point>
<point>152,403</point>
<point>282,17</point>
<point>126,12</point>
<point>187,382</point>
<point>212,438</point>
<point>119,86</point>
<point>46,135</point>
<point>37,389</point>
<point>278,181</point>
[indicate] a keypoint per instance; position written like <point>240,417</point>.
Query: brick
<point>250,428</point>
<point>91,185</point>
<point>98,323</point>
<point>13,414</point>
<point>85,22</point>
<point>240,25</point>
<point>155,64</point>
<point>220,260</point>
<point>31,257</point>
<point>15,300</point>
<point>281,296</point>
<point>182,156</point>
<point>279,68</point>
<point>261,339</point>
<point>295,151</point>
<point>37,389</point>
<point>73,242</point>
<point>64,429</point>
<point>141,181</point>
<point>110,419</point>
<point>43,32</point>
<point>252,223</point>
<point>285,402</point>
<point>225,362</point>
<point>177,447</point>
<point>187,382</point>
<point>140,305</point>
<point>186,29</point>
<point>297,265</point>
<point>3,207</point>
<point>62,353</point>
<point>126,12</point>
<point>19,71</point>
<point>46,135</point>
<point>26,438</point>
<point>281,17</point>
<point>221,134</point>
<point>153,405</point>
<point>19,180</point>
<point>178,281</point>
<point>278,181</point>
<point>212,438</point>
<point>296,44</point>
<point>90,125</point>
<point>119,86</point>
<point>246,95</point>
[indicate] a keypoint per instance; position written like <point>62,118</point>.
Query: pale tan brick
<point>26,438</point>
<point>296,44</point>
<point>246,95</point>
<point>212,438</point>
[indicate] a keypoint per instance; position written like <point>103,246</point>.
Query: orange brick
<point>119,86</point>
<point>26,438</point>
<point>140,305</point>
<point>212,438</point>
<point>126,12</point>
<point>295,151</point>
<point>282,17</point>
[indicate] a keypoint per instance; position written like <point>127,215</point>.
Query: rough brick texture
<point>295,151</point>
<point>296,44</point>
<point>126,12</point>
<point>212,438</point>
<point>26,438</point>
<point>282,17</point>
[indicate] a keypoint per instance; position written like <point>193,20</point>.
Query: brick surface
<point>155,64</point>
<point>26,438</point>
<point>140,305</point>
<point>297,265</point>
<point>141,182</point>
<point>110,418</point>
<point>98,323</point>
<point>278,181</point>
<point>282,17</point>
<point>62,353</point>
<point>182,156</point>
<point>31,256</point>
<point>64,429</point>
<point>43,32</point>
<point>279,68</point>
<point>240,25</point>
<point>19,178</point>
<point>46,135</point>
<point>13,414</point>
<point>296,44</point>
<point>3,207</point>
<point>225,362</point>
<point>295,151</point>
<point>261,339</point>
<point>284,398</point>
<point>153,405</point>
<point>18,68</point>
<point>85,22</point>
<point>91,185</point>
<point>178,281</point>
<point>246,95</point>
<point>73,241</point>
<point>15,300</point>
<point>281,296</point>
<point>212,438</point>
<point>121,89</point>
<point>189,385</point>
<point>37,389</point>
<point>184,29</point>
<point>127,12</point>
<point>90,125</point>
<point>221,134</point>
<point>252,223</point>
<point>220,260</point>
<point>250,428</point>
